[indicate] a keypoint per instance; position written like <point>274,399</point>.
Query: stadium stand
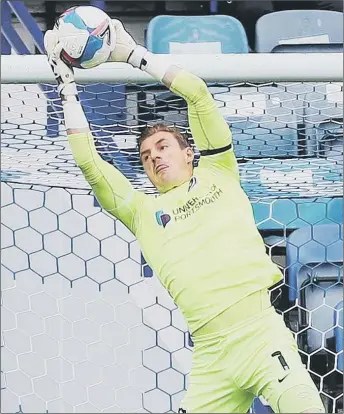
<point>196,34</point>
<point>249,11</point>
<point>298,26</point>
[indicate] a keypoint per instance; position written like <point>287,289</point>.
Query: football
<point>87,35</point>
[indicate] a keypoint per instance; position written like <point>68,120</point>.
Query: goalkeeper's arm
<point>113,191</point>
<point>208,127</point>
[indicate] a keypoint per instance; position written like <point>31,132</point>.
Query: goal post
<point>84,326</point>
<point>259,67</point>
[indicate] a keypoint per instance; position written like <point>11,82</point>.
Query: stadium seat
<point>314,254</point>
<point>338,333</point>
<point>298,26</point>
<point>196,34</point>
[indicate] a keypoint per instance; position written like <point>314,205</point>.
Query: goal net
<point>85,328</point>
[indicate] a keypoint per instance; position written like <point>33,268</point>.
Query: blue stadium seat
<point>298,26</point>
<point>338,333</point>
<point>196,34</point>
<point>314,253</point>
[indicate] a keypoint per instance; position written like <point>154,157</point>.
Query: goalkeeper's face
<point>165,162</point>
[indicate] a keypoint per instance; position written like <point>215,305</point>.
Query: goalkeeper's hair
<point>161,127</point>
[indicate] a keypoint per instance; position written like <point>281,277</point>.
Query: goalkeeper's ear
<point>50,41</point>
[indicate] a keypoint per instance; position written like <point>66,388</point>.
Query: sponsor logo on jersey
<point>162,218</point>
<point>196,203</point>
<point>190,207</point>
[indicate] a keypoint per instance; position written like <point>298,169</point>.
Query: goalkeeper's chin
<point>164,180</point>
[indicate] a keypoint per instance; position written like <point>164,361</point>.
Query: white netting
<point>82,330</point>
<point>288,137</point>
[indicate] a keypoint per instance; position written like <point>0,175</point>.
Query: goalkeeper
<point>200,238</point>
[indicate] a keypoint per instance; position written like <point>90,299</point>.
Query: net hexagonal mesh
<point>85,328</point>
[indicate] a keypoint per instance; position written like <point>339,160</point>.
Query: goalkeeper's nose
<point>155,156</point>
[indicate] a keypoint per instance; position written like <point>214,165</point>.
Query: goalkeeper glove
<point>126,50</point>
<point>63,73</point>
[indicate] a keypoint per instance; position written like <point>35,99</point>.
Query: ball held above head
<point>87,35</point>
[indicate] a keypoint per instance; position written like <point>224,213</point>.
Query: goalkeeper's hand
<point>126,50</point>
<point>63,73</point>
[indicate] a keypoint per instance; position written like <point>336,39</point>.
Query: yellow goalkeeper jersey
<point>199,238</point>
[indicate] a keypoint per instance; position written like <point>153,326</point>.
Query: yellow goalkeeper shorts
<point>257,356</point>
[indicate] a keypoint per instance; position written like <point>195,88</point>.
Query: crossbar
<point>307,67</point>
